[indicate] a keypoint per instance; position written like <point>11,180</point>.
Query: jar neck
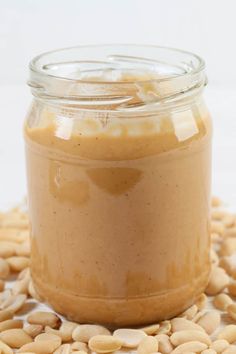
<point>119,82</point>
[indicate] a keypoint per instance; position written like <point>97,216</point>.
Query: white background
<point>29,27</point>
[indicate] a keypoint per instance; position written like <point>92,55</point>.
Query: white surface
<point>29,27</point>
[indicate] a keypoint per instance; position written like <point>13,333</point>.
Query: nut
<point>181,324</point>
<point>104,343</point>
<point>15,337</point>
<point>148,345</point>
<point>131,338</point>
<point>44,318</point>
<point>218,281</point>
<point>222,301</point>
<point>181,337</point>
<point>210,321</point>
<point>193,346</point>
<point>82,333</point>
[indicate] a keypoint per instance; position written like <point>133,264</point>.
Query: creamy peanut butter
<point>119,210</point>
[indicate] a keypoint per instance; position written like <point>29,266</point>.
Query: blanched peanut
<point>24,273</point>
<point>192,346</point>
<point>9,324</point>
<point>130,338</point>
<point>5,349</point>
<point>218,214</point>
<point>33,330</point>
<point>217,227</point>
<point>181,337</point>
<point>190,312</point>
<point>40,347</point>
<point>231,310</point>
<point>23,249</point>
<point>209,351</point>
<point>210,321</point>
<point>63,349</point>
<point>165,327</point>
<point>228,246</point>
<point>214,257</point>
<point>230,232</point>
<point>228,264</point>
<point>219,345</point>
<point>21,286</point>
<point>4,269</point>
<point>201,301</point>
<point>44,318</point>
<point>217,282</point>
<point>228,333</point>
<point>104,344</point>
<point>32,292</point>
<point>4,296</point>
<point>14,303</point>
<point>228,220</point>
<point>79,352</point>
<point>150,330</point>
<point>17,264</point>
<point>15,337</point>
<point>13,235</point>
<point>216,238</point>
<point>6,315</point>
<point>82,333</point>
<point>181,324</point>
<point>164,344</point>
<point>65,331</point>
<point>7,249</point>
<point>232,288</point>
<point>148,345</point>
<point>222,301</point>
<point>48,337</point>
<point>198,316</point>
<point>79,346</point>
<point>230,350</point>
<point>215,202</point>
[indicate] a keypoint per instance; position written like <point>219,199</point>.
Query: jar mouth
<point>115,76</point>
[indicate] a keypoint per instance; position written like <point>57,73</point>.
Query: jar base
<point>122,312</point>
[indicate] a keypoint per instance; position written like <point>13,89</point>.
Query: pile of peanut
<point>197,330</point>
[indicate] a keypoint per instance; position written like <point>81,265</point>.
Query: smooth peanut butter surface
<point>120,213</point>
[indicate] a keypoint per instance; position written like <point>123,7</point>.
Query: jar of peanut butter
<point>118,152</point>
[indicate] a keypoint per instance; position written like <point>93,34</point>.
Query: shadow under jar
<point>118,152</point>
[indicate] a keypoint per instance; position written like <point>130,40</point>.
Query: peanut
<point>210,321</point>
<point>17,264</point>
<point>193,346</point>
<point>218,281</point>
<point>219,345</point>
<point>164,344</point>
<point>181,324</point>
<point>131,338</point>
<point>15,337</point>
<point>44,318</point>
<point>104,343</point>
<point>181,337</point>
<point>83,333</point>
<point>222,301</point>
<point>148,345</point>
<point>33,330</point>
<point>150,330</point>
<point>231,310</point>
<point>228,333</point>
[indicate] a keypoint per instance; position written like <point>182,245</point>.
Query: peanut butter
<point>120,213</point>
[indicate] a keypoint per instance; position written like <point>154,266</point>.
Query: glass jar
<point>118,152</point>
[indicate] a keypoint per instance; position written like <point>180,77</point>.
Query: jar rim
<point>51,76</point>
